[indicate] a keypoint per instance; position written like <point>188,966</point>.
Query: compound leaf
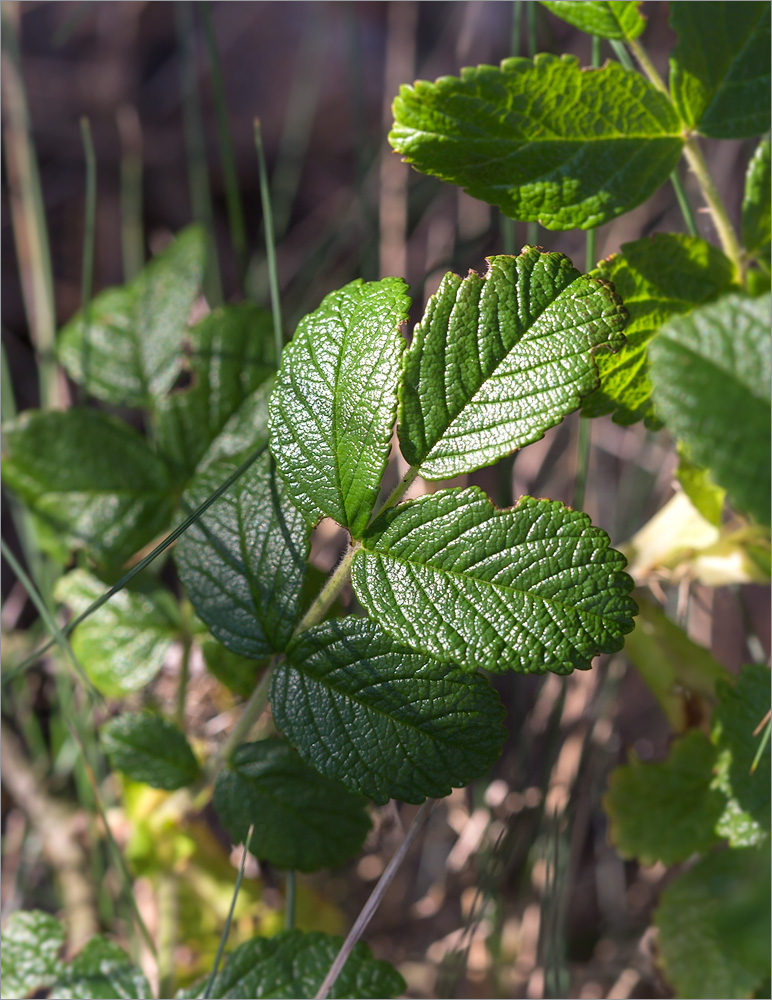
<point>542,139</point>
<point>150,749</point>
<point>29,958</point>
<point>710,373</point>
<point>302,820</point>
<point>101,971</point>
<point>720,68</point>
<point>123,644</point>
<point>292,964</point>
<point>243,561</point>
<point>232,353</point>
<point>332,411</point>
<point>127,350</point>
<point>90,477</point>
<point>741,708</point>
<point>657,277</point>
<point>499,359</point>
<point>382,719</point>
<point>714,925</point>
<point>666,811</point>
<point>532,588</point>
<point>756,209</point>
<point>616,19</point>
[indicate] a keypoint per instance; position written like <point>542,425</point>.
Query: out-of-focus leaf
<point>703,493</point>
<point>756,210</point>
<point>543,139</point>
<point>29,958</point>
<point>616,19</point>
<point>102,971</point>
<point>238,673</point>
<point>150,749</point>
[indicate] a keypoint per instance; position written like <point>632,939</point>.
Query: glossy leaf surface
<point>616,19</point>
<point>532,588</point>
<point>123,644</point>
<point>710,373</point>
<point>657,278</point>
<point>29,958</point>
<point>231,354</point>
<point>499,359</point>
<point>666,811</point>
<point>128,350</point>
<point>714,925</point>
<point>543,139</point>
<point>243,562</point>
<point>150,749</point>
<point>302,820</point>
<point>720,68</point>
<point>332,411</point>
<point>292,965</point>
<point>756,208</point>
<point>382,719</point>
<point>90,477</point>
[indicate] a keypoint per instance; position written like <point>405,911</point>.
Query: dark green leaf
<point>91,477</point>
<point>756,209</point>
<point>332,411</point>
<point>714,926</point>
<point>499,359</point>
<point>617,19</point>
<point>102,971</point>
<point>657,277</point>
<point>720,68</point>
<point>123,644</point>
<point>129,353</point>
<point>532,588</point>
<point>232,353</point>
<point>292,964</point>
<point>302,820</point>
<point>243,562</point>
<point>151,749</point>
<point>29,958</point>
<point>239,674</point>
<point>386,721</point>
<point>710,373</point>
<point>666,811</point>
<point>543,139</point>
<point>741,709</point>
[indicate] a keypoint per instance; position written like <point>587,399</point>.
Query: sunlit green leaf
<point>499,359</point>
<point>532,588</point>
<point>696,483</point>
<point>542,139</point>
<point>382,719</point>
<point>617,19</point>
<point>756,209</point>
<point>150,749</point>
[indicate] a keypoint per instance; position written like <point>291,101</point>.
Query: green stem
<point>87,276</point>
<point>726,234</point>
<point>324,600</point>
<point>398,492</point>
<point>648,66</point>
<point>233,203</point>
<point>270,243</point>
<point>229,919</point>
<point>289,901</point>
<point>683,203</point>
<point>252,711</point>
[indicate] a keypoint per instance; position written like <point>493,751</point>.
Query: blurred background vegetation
<point>514,890</point>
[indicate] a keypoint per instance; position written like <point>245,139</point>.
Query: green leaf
<point>696,483</point>
<point>542,139</point>
<point>332,411</point>
<point>123,644</point>
<point>756,210</point>
<point>29,958</point>
<point>499,359</point>
<point>242,563</point>
<point>292,964</point>
<point>150,749</point>
<point>720,68</point>
<point>381,719</point>
<point>710,373</point>
<point>129,353</point>
<point>741,708</point>
<point>666,811</point>
<point>102,971</point>
<point>616,19</point>
<point>657,277</point>
<point>302,820</point>
<point>232,353</point>
<point>714,926</point>
<point>245,431</point>
<point>532,588</point>
<point>238,673</point>
<point>90,477</point>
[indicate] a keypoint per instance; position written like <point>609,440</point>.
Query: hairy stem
<point>252,711</point>
<point>329,591</point>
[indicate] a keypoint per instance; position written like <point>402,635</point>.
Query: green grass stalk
<point>270,243</point>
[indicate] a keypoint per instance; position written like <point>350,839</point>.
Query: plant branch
<point>726,234</point>
<point>375,899</point>
<point>326,596</point>
<point>252,711</point>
